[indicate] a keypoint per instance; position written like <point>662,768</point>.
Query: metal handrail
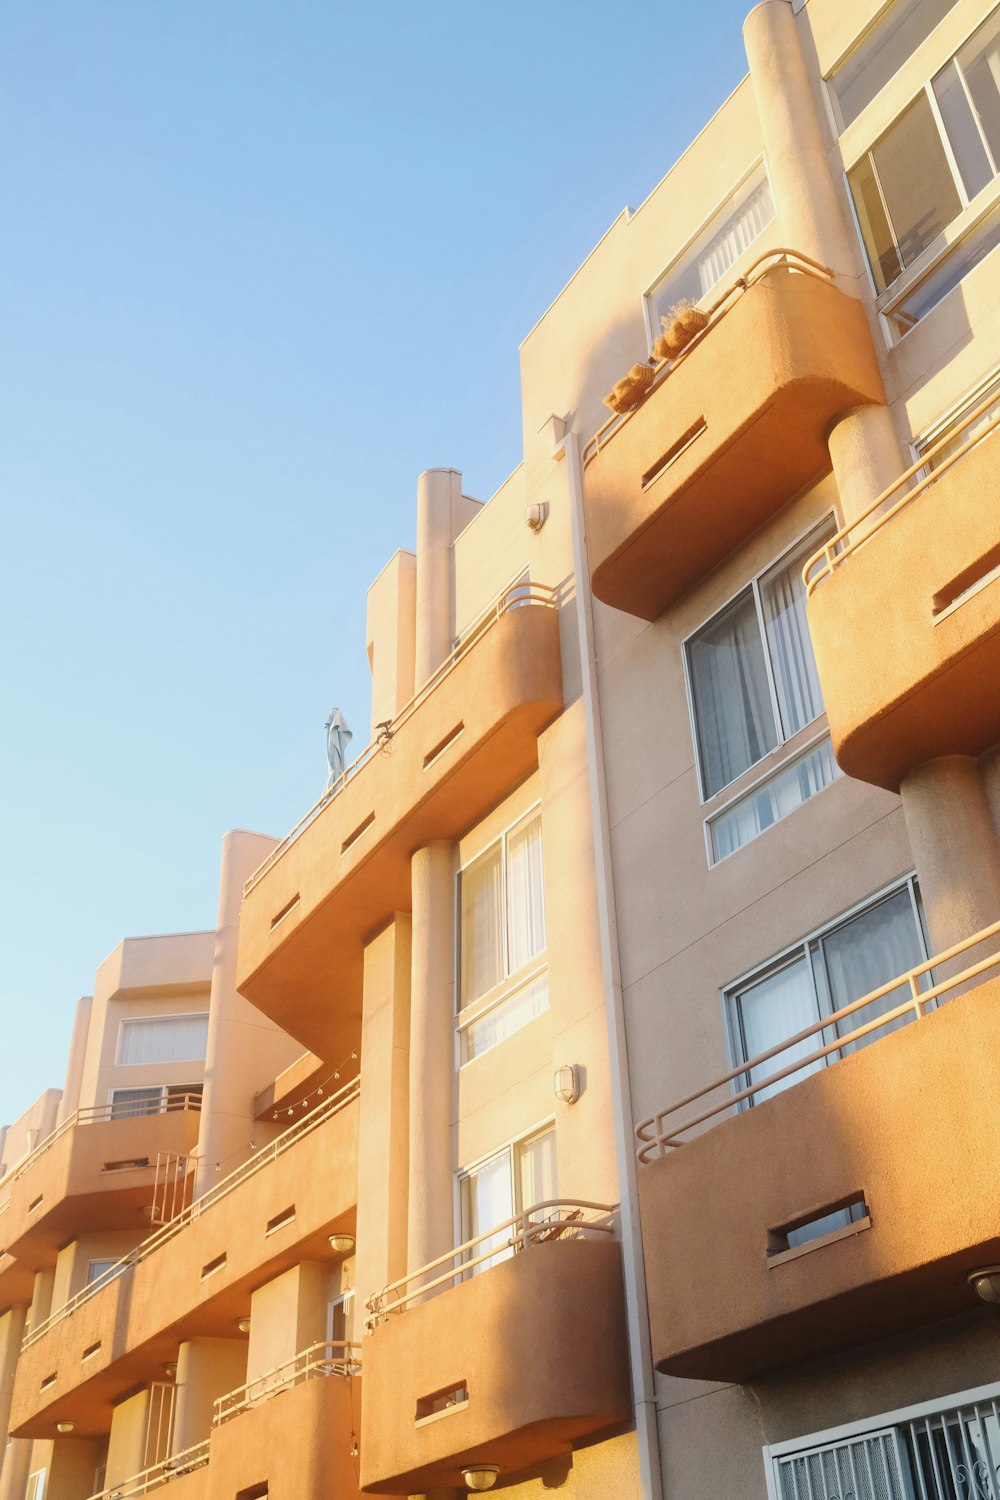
<point>333,1357</point>
<point>655,1138</point>
<point>772,260</point>
<point>96,1115</point>
<point>840,546</point>
<point>282,1143</point>
<point>564,1219</point>
<point>514,596</point>
<point>159,1474</point>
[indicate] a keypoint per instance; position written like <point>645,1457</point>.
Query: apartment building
<point>593,1091</point>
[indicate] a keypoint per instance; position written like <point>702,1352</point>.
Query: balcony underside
<point>468,744</point>
<point>726,439</point>
<point>920,686</point>
<point>910,1122</point>
<point>539,1343</point>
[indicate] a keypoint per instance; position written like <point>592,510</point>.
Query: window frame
<point>675,262</point>
<point>195,1088</point>
<point>732,789</point>
<point>938,429</point>
<point>757,784</point>
<point>972,212</point>
<point>182,1015</point>
<point>512,1148</point>
<point>829,89</point>
<point>491,999</point>
<point>803,948</point>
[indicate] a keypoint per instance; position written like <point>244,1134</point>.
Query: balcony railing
<point>557,1219</point>
<point>160,1474</point>
<point>898,496</point>
<point>516,596</point>
<point>99,1114</point>
<point>335,1357</point>
<point>774,260</point>
<point>658,1134</point>
<point>282,1143</point>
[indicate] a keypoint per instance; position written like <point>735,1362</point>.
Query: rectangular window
<point>513,1180</point>
<point>986,394</point>
<point>931,162</point>
<point>100,1270</point>
<point>502,934</point>
<point>163,1039</point>
<point>947,1449</point>
<point>881,52</point>
<point>772,800</point>
<point>154,1100</point>
<point>36,1485</point>
<point>730,232</point>
<point>831,969</point>
<point>752,672</point>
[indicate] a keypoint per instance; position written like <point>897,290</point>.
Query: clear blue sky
<point>263,261</point>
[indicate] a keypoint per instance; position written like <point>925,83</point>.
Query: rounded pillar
<point>439,498</point>
<point>955,848</point>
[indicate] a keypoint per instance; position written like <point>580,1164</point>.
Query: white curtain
<point>525,896</point>
<point>874,947</point>
<point>736,235</point>
<point>489,1200</point>
<point>775,1008</point>
<point>481,941</point>
<point>796,680</point>
<point>163,1039</point>
<point>731,698</point>
<point>538,1169</point>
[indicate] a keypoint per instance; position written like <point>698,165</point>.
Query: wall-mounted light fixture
<point>243,1324</point>
<point>535,516</point>
<point>64,1428</point>
<point>342,1244</point>
<point>566,1083</point>
<point>482,1477</point>
<point>986,1284</point>
<point>170,1370</point>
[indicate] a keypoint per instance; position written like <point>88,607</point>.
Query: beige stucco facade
<point>537,1086</point>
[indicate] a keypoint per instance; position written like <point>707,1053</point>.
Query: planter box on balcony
<point>911,1122</point>
<point>906,679</point>
<point>464,747</point>
<point>726,439</point>
<point>538,1342</point>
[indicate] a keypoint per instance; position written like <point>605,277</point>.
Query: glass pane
<point>481,940</point>
<point>786,791</point>
<point>163,1039</point>
<point>732,704</point>
<point>796,681</point>
<point>882,52</point>
<point>99,1270</point>
<point>489,1200</point>
<point>509,1016</point>
<point>525,896</point>
<point>876,231</point>
<point>865,953</point>
<point>538,1169</point>
<point>126,1102</point>
<point>962,130</point>
<point>932,289</point>
<point>979,60</point>
<point>774,1008</point>
<point>966,434</point>
<point>919,191</point>
<point>719,246</point>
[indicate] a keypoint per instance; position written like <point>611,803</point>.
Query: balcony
<point>186,1473</point>
<point>98,1170</point>
<point>465,741</point>
<point>927,559</point>
<point>504,1352</point>
<point>899,1140</point>
<point>729,432</point>
<point>194,1276</point>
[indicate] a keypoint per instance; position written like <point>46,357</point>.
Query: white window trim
<point>737,265</point>
<point>775,759</point>
<point>869,26</point>
<point>878,1420</point>
<point>510,981</point>
<point>787,760</point>
<point>490,1002</point>
<point>181,1015</point>
<point>195,1085</point>
<point>938,429</point>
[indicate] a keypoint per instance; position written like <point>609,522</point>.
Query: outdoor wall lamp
<point>567,1083</point>
<point>170,1370</point>
<point>64,1428</point>
<point>986,1284</point>
<point>243,1324</point>
<point>342,1244</point>
<point>482,1477</point>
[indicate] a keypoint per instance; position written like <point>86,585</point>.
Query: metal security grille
<point>952,1454</point>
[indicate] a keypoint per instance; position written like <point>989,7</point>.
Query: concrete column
<point>439,494</point>
<point>11,1334</point>
<point>389,637</point>
<point>127,1443</point>
<point>16,1466</point>
<point>287,1315</point>
<point>41,1297</point>
<point>70,1101</point>
<point>206,1369</point>
<point>432,1055</point>
<point>72,1466</point>
<point>383,1125</point>
<point>864,448</point>
<point>246,1051</point>
<point>955,848</point>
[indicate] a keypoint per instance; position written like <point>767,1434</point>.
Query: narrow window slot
<point>287,1216</point>
<point>213,1266</point>
<point>969,581</point>
<point>352,838</point>
<point>49,1380</point>
<point>820,1226</point>
<point>279,916</point>
<point>37,1203</point>
<point>89,1353</point>
<point>443,745</point>
<point>443,1403</point>
<point>129,1163</point>
<point>674,452</point>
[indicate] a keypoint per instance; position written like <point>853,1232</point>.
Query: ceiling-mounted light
<point>986,1284</point>
<point>64,1428</point>
<point>482,1477</point>
<point>342,1244</point>
<point>243,1324</point>
<point>170,1370</point>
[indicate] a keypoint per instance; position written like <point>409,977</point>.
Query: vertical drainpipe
<point>640,1357</point>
